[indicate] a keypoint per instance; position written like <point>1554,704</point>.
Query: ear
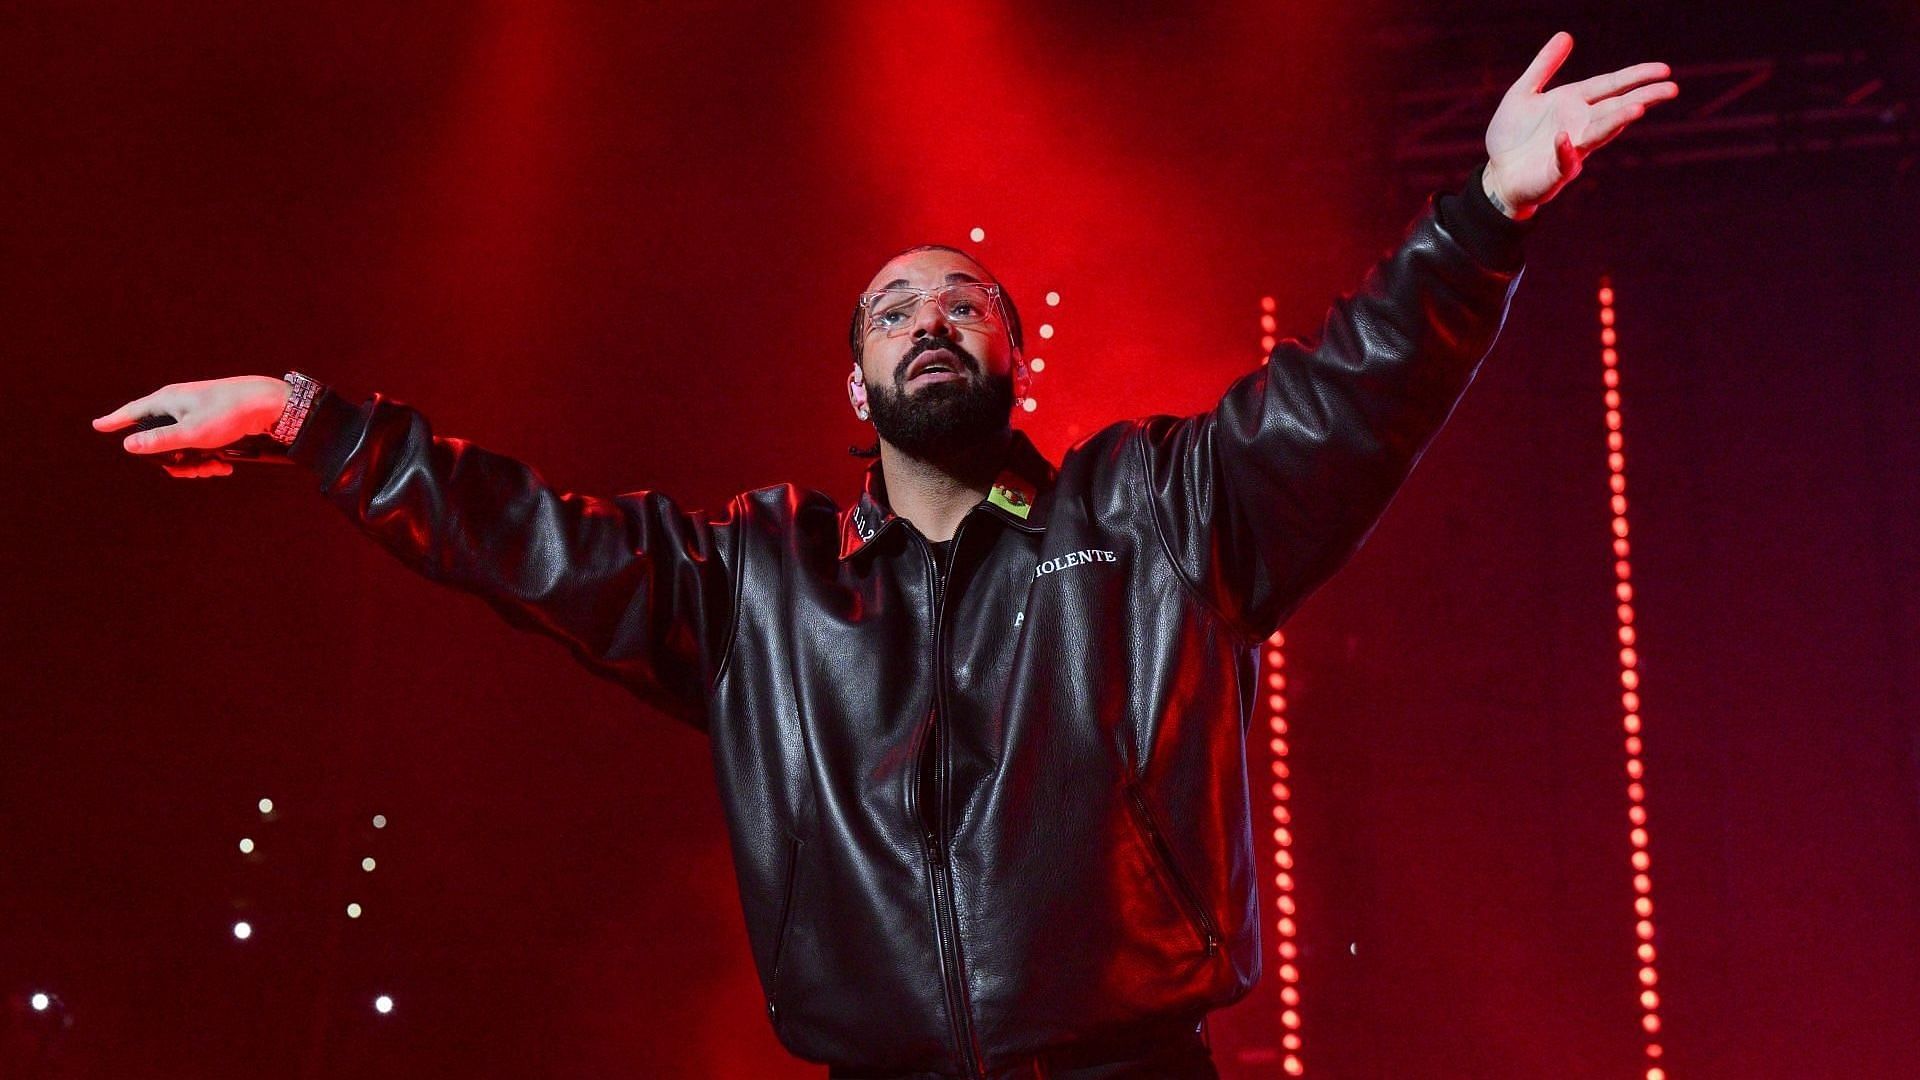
<point>857,393</point>
<point>1022,378</point>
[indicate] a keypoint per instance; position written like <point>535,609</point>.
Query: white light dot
<point>266,806</point>
<point>1353,948</point>
<point>978,234</point>
<point>1046,330</point>
<point>1029,404</point>
<point>383,1004</point>
<point>353,911</point>
<point>246,845</point>
<point>40,1002</point>
<point>1038,364</point>
<point>367,864</point>
<point>379,821</point>
<point>1053,299</point>
<point>243,930</point>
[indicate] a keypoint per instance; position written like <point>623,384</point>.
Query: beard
<point>945,420</point>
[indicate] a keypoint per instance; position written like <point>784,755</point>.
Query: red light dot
<point>1642,883</point>
<point>1616,461</point>
<point>1267,323</point>
<point>1643,907</point>
<point>1626,635</point>
<point>1293,1066</point>
<point>1267,343</point>
<point>1633,747</point>
<point>1648,976</point>
<point>1656,1073</point>
<point>1646,953</point>
<point>1606,316</point>
<point>1650,999</point>
<point>1290,1041</point>
<point>1613,399</point>
<point>1628,658</point>
<point>1607,337</point>
<point>1635,768</point>
<point>1644,929</point>
<point>1606,294</point>
<point>1286,928</point>
<point>1620,548</point>
<point>1288,950</point>
<point>1266,303</point>
<point>1290,1018</point>
<point>1285,905</point>
<point>1289,973</point>
<point>1637,815</point>
<point>1610,377</point>
<point>1639,837</point>
<point>1613,419</point>
<point>1641,860</point>
<point>1631,701</point>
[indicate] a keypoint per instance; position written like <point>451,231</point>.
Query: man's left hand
<point>1537,139</point>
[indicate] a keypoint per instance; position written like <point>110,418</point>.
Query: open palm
<point>1539,137</point>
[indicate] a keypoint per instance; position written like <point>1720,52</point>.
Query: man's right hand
<point>208,414</point>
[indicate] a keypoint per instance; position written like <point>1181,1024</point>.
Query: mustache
<point>928,344</point>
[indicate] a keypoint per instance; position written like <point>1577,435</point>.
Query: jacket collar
<point>1018,498</point>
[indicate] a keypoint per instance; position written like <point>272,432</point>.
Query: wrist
<point>1499,201</point>
<point>294,397</point>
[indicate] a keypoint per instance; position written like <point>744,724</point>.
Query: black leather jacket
<point>978,818</point>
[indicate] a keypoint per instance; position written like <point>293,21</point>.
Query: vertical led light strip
<point>1630,687</point>
<point>1288,949</point>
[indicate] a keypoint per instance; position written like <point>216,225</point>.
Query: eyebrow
<point>952,278</point>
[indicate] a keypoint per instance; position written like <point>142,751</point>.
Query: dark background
<point>622,241</point>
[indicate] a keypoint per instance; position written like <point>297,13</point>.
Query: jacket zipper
<point>940,870</point>
<point>1196,911</point>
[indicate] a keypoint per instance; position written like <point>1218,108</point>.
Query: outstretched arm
<point>1265,496</point>
<point>639,590</point>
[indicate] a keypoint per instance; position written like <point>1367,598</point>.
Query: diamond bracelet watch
<point>299,403</point>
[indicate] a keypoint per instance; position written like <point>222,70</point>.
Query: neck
<point>936,494</point>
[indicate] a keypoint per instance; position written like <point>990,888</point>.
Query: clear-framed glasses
<point>966,303</point>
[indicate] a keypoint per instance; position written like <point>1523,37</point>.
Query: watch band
<point>299,403</point>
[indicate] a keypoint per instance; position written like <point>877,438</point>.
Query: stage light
<point>246,845</point>
<point>1053,299</point>
<point>1029,404</point>
<point>379,821</point>
<point>1628,658</point>
<point>367,864</point>
<point>353,911</point>
<point>1038,365</point>
<point>1273,658</point>
<point>40,1002</point>
<point>1046,330</point>
<point>243,930</point>
<point>978,235</point>
<point>266,806</point>
<point>383,1004</point>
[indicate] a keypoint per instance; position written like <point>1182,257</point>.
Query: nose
<point>931,321</point>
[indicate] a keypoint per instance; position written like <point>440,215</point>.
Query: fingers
<point>1601,87</point>
<point>131,411</point>
<point>1545,63</point>
<point>162,439</point>
<point>1609,120</point>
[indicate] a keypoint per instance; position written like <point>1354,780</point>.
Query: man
<point>979,736</point>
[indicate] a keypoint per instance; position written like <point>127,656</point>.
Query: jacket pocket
<point>786,921</point>
<point>1184,893</point>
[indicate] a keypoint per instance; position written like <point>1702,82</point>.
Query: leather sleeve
<point>640,591</point>
<point>1264,497</point>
